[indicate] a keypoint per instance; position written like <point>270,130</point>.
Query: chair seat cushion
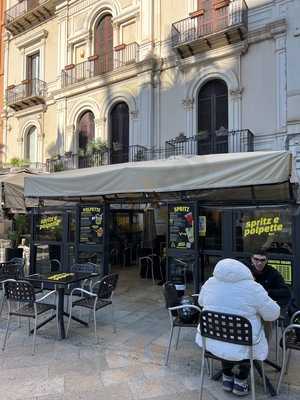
<point>88,302</point>
<point>27,310</point>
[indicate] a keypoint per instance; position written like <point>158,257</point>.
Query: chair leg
<point>202,373</point>
<point>177,340</point>
<point>152,272</point>
<point>28,326</point>
<point>289,353</point>
<point>69,320</point>
<point>34,335</point>
<point>263,376</point>
<point>252,378</point>
<point>95,326</point>
<point>169,346</point>
<point>283,368</point>
<point>6,333</point>
<point>2,304</point>
<point>113,318</point>
<point>207,366</point>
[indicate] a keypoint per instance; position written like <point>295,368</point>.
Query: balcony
<point>221,141</point>
<point>233,141</point>
<point>122,55</point>
<point>29,93</point>
<point>28,13</point>
<point>224,22</point>
<point>101,157</point>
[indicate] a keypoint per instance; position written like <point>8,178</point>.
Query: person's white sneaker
<point>240,387</point>
<point>227,383</point>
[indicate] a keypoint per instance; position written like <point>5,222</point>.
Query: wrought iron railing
<point>20,9</point>
<point>233,141</point>
<point>222,141</point>
<point>97,158</point>
<point>26,89</point>
<point>195,27</point>
<point>98,65</point>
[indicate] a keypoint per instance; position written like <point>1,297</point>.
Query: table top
<point>60,278</point>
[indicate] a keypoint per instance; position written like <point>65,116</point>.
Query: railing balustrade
<point>98,65</point>
<point>26,89</point>
<point>193,28</point>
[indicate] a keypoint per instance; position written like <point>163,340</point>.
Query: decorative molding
<point>134,114</point>
<point>188,103</point>
<point>129,13</point>
<point>29,40</point>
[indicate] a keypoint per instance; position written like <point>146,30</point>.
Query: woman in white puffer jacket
<point>232,290</point>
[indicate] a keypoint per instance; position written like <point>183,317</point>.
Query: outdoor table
<point>60,282</point>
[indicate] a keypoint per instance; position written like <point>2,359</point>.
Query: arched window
<point>119,133</point>
<point>31,145</point>
<point>104,45</point>
<point>85,130</point>
<point>213,118</point>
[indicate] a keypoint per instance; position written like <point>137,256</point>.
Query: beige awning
<point>188,173</point>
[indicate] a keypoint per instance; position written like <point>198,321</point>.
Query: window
<point>210,229</point>
<point>269,230</point>
<point>33,66</point>
<point>31,145</point>
<point>103,45</point>
<point>86,130</point>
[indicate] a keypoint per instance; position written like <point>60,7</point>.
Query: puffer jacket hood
<point>230,270</point>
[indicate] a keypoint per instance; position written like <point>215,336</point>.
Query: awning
<point>12,193</point>
<point>177,174</point>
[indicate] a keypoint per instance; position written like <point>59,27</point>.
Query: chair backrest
<point>9,270</point>
<point>21,291</point>
<point>20,263</point>
<point>107,286</point>
<point>84,267</point>
<point>226,327</point>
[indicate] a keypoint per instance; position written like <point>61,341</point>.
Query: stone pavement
<point>128,365</point>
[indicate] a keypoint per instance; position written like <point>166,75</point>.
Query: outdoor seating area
<point>128,364</point>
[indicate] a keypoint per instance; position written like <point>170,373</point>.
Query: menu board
<point>49,228</point>
<point>284,267</point>
<point>181,227</point>
<point>91,225</point>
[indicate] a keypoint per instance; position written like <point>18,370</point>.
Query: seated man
<point>232,290</point>
<point>271,280</point>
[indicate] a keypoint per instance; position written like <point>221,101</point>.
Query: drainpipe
<point>6,63</point>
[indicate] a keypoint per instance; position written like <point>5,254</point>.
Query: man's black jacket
<point>274,284</point>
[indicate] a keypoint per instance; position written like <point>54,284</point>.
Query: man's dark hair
<point>260,252</point>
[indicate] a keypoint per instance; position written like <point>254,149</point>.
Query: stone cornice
<point>30,38</point>
<point>211,55</point>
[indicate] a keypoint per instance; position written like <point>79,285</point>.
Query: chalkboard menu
<point>49,228</point>
<point>181,227</point>
<point>91,225</point>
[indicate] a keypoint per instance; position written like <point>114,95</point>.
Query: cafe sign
<point>263,226</point>
<point>49,223</point>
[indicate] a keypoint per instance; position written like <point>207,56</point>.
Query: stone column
<point>188,104</point>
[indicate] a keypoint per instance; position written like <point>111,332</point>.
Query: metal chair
<point>173,306</point>
<point>22,293</point>
<point>228,328</point>
<point>98,297</point>
<point>20,263</point>
<point>7,271</point>
<point>290,341</point>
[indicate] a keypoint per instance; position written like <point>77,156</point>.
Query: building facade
<point>104,81</point>
<point>2,94</point>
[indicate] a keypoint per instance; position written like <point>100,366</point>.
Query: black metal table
<point>60,282</point>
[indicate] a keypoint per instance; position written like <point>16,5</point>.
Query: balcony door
<point>32,74</point>
<point>86,131</point>
<point>104,45</point>
<point>213,118</point>
<point>31,146</point>
<point>214,16</point>
<point>119,133</point>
